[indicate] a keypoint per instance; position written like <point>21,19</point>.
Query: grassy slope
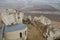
<point>34,34</point>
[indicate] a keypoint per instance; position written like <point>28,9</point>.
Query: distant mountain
<point>56,6</point>
<point>41,8</point>
<point>32,7</point>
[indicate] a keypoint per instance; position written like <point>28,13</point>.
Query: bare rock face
<point>50,38</point>
<point>54,34</point>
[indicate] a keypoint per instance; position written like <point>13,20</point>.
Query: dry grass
<point>0,22</point>
<point>41,25</point>
<point>34,33</point>
<point>55,24</point>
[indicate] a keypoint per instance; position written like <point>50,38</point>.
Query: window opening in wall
<point>25,32</point>
<point>18,17</point>
<point>12,23</point>
<point>20,35</point>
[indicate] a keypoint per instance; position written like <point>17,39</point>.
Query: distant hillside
<point>56,5</point>
<point>41,8</point>
<point>32,7</point>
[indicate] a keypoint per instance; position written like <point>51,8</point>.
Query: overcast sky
<point>23,3</point>
<point>16,1</point>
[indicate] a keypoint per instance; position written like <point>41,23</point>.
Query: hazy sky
<point>24,3</point>
<point>16,1</point>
